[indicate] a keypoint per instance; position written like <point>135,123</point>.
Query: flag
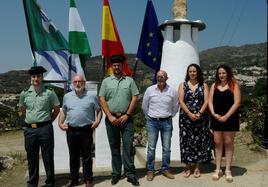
<point>78,41</point>
<point>111,43</point>
<point>48,45</point>
<point>151,39</point>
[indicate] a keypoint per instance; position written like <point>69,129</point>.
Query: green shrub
<point>252,112</point>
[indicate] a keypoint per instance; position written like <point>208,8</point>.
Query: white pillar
<point>179,51</point>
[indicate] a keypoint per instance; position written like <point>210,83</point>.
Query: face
<point>37,79</point>
<point>78,83</point>
<point>222,75</point>
<point>192,73</point>
<point>161,78</point>
<point>117,68</point>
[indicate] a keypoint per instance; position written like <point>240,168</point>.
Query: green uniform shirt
<point>118,92</point>
<point>38,105</point>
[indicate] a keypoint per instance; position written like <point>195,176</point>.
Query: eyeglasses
<point>76,82</point>
<point>160,77</point>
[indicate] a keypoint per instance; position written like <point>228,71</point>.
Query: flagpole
<point>135,68</point>
<point>103,67</point>
<point>69,73</point>
<point>29,32</point>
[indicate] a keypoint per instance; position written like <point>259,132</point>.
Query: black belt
<point>160,119</point>
<point>86,127</point>
<point>38,125</point>
<point>118,114</point>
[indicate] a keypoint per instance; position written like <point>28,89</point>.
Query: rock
<point>6,162</point>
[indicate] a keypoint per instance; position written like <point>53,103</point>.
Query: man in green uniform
<point>40,106</point>
<point>118,97</point>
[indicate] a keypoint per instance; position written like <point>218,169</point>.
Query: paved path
<point>249,169</point>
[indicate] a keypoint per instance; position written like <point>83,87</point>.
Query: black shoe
<point>133,180</point>
<point>115,179</point>
<point>72,183</point>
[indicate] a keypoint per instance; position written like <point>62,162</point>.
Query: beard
<point>79,89</point>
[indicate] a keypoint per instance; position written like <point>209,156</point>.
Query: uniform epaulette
<point>48,87</point>
<point>26,89</point>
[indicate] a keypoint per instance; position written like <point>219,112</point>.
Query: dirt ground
<point>12,144</point>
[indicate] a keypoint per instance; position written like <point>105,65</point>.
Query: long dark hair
<point>230,76</point>
<point>199,77</point>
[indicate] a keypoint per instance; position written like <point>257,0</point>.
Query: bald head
<point>162,73</point>
<point>78,77</point>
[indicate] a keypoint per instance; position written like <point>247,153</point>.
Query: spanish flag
<point>111,43</point>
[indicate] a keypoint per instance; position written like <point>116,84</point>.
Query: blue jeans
<point>153,128</point>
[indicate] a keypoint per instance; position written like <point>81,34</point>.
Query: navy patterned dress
<point>195,140</point>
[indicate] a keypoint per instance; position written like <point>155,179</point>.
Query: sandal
<point>197,173</point>
<point>228,176</point>
<point>187,170</point>
<point>217,175</point>
<point>187,173</point>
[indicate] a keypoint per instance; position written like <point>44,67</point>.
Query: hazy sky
<point>229,22</point>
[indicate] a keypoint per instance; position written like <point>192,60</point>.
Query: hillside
<point>248,55</point>
<point>248,61</point>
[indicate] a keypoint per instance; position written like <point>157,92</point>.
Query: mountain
<point>248,55</point>
<point>13,81</point>
<point>248,61</point>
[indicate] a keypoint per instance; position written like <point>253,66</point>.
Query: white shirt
<point>157,104</point>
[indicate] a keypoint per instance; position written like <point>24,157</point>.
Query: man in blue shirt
<point>78,120</point>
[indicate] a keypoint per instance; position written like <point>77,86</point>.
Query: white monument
<point>179,51</point>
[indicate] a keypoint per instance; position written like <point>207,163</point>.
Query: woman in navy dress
<point>195,142</point>
<point>224,101</point>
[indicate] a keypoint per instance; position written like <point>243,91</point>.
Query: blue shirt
<point>80,111</point>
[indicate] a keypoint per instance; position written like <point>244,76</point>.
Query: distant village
<point>247,76</point>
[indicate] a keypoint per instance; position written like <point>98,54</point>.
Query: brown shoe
<point>71,183</point>
<point>88,184</point>
<point>150,176</point>
<point>168,174</point>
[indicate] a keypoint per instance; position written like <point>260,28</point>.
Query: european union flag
<point>151,40</point>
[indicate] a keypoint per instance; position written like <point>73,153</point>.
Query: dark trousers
<point>80,143</point>
<point>35,139</point>
<point>126,131</point>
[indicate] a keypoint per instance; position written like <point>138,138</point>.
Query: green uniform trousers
<point>35,139</point>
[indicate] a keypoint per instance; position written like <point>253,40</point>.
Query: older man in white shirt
<point>160,104</point>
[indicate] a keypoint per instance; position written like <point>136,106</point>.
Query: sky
<point>228,22</point>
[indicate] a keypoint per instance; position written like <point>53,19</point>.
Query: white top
<point>157,104</point>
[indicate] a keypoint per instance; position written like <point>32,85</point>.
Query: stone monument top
<point>179,9</point>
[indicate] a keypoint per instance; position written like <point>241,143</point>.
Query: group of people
<point>196,126</point>
<point>82,112</point>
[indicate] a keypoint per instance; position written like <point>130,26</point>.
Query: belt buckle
<point>118,114</point>
<point>34,125</point>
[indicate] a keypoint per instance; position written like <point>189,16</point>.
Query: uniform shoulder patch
<point>26,89</point>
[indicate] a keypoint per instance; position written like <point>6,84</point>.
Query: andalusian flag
<point>48,45</point>
<point>78,41</point>
<point>111,43</point>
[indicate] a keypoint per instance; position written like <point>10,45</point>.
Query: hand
<point>113,120</point>
<point>223,118</point>
<point>198,115</point>
<point>63,126</point>
<point>192,116</point>
<point>95,124</point>
<point>123,119</point>
<point>217,116</point>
